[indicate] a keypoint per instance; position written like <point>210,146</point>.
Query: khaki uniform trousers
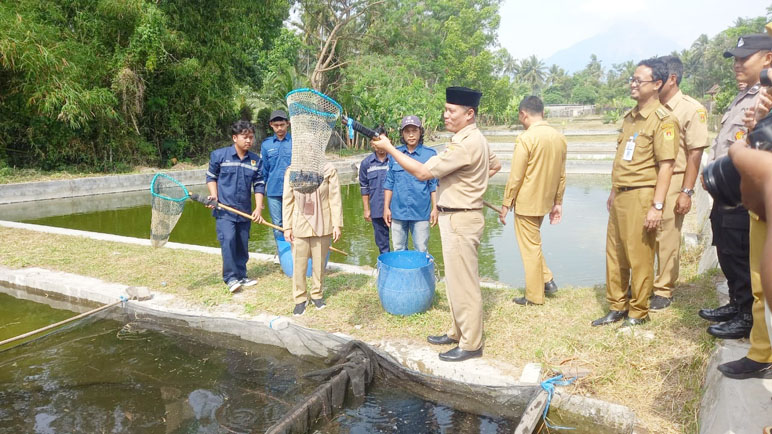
<point>630,248</point>
<point>527,231</point>
<point>461,233</point>
<point>760,350</point>
<point>668,246</point>
<point>303,248</point>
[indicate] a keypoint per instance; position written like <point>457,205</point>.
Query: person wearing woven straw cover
<point>311,220</point>
<point>409,203</point>
<point>463,170</point>
<point>233,174</point>
<point>534,189</point>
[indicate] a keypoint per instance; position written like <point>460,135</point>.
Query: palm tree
<point>532,72</point>
<point>555,75</point>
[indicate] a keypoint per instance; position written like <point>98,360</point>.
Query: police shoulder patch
<point>662,113</point>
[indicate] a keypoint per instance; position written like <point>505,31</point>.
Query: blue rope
<point>549,386</point>
<point>350,128</point>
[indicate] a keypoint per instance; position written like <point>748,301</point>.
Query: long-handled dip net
<point>168,200</point>
<point>313,116</point>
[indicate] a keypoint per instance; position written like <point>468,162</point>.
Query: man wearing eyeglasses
<point>646,149</point>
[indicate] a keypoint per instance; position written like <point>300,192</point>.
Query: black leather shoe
<point>441,340</point>
<point>719,314</point>
<point>658,302</point>
<point>611,317</point>
<point>550,288</point>
<point>459,355</point>
<point>522,301</point>
<point>746,368</point>
<point>635,321</point>
<point>736,328</point>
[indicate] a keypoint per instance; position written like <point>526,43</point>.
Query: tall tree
<point>532,72</point>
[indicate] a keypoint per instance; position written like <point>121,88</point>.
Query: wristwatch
<point>658,206</point>
<point>688,191</point>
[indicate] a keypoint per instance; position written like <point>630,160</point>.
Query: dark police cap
<point>278,114</point>
<point>750,44</point>
<point>463,96</point>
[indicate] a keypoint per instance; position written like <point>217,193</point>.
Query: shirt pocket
<point>644,146</point>
<point>373,182</point>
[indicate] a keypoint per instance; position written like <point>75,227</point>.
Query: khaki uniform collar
<point>538,124</point>
<point>673,102</point>
<point>645,111</point>
<point>463,132</point>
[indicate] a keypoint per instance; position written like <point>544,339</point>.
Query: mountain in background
<point>620,43</point>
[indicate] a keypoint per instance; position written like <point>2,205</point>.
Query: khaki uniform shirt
<point>537,179</point>
<point>655,134</point>
<point>732,126</point>
<point>463,169</point>
<point>693,119</point>
<point>331,205</point>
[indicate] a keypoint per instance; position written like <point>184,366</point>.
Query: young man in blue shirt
<point>410,204</point>
<point>372,175</point>
<point>276,153</point>
<point>233,174</point>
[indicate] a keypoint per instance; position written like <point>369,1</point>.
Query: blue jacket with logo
<point>236,180</point>
<point>372,174</point>
<point>277,156</point>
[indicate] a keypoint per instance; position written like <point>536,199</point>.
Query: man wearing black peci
<point>463,170</point>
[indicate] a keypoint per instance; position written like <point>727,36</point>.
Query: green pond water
<point>121,373</point>
<point>574,249</point>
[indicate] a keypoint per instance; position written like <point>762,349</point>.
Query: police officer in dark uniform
<point>730,224</point>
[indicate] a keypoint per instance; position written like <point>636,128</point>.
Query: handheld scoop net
<point>313,116</point>
<point>168,200</point>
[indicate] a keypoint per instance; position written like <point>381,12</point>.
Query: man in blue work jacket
<point>410,204</point>
<point>372,175</point>
<point>233,174</point>
<point>276,152</point>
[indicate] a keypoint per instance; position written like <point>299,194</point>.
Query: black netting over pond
<point>127,371</point>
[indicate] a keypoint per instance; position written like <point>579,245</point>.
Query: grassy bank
<point>657,370</point>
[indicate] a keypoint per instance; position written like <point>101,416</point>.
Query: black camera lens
<point>722,180</point>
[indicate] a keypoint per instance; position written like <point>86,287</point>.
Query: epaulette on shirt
<point>755,89</point>
<point>662,113</point>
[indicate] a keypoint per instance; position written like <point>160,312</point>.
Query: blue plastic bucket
<point>406,281</point>
<point>285,257</point>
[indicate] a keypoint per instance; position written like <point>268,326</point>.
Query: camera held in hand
<point>722,180</point>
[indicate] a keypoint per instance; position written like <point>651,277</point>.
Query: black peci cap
<point>463,96</point>
<point>750,44</point>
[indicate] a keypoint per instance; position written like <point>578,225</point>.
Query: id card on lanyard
<point>630,148</point>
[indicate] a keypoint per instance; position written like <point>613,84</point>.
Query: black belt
<point>443,209</point>
<point>635,187</point>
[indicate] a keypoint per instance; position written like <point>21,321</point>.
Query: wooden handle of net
<point>198,198</point>
<point>492,206</point>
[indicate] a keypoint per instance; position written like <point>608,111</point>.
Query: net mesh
<point>167,201</point>
<point>313,116</point>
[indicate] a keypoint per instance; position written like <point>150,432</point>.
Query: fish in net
<point>313,116</point>
<point>167,201</point>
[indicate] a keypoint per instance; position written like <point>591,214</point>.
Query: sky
<point>546,26</point>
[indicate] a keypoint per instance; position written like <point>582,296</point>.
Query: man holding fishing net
<point>463,170</point>
<point>233,174</point>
